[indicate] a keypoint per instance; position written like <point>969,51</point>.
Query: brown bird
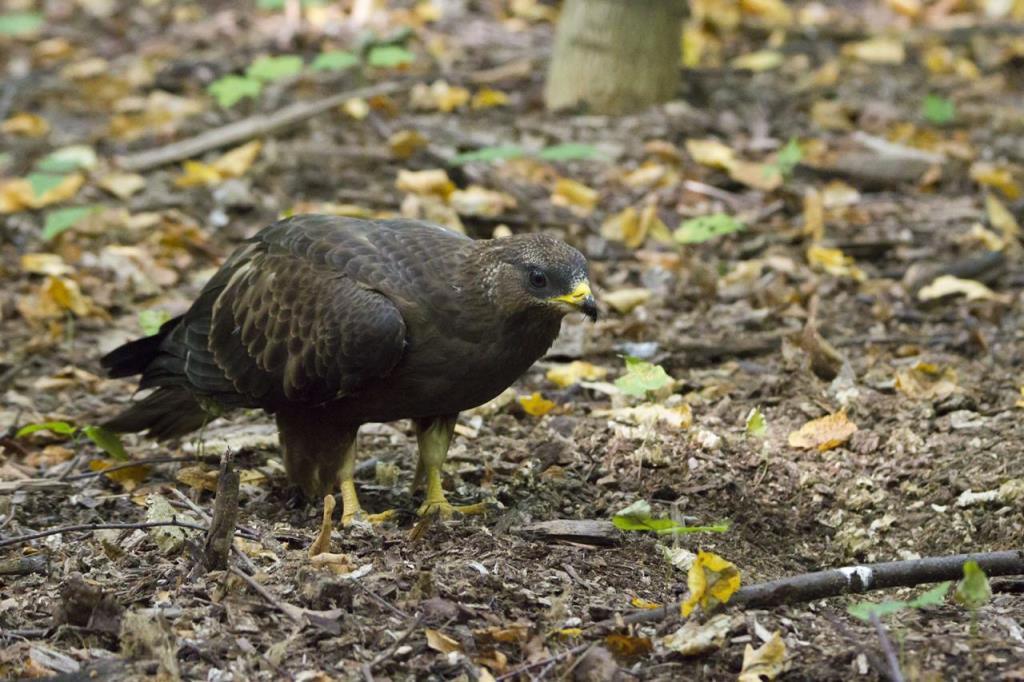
<point>330,323</point>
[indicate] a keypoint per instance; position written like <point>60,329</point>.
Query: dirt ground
<point>932,385</point>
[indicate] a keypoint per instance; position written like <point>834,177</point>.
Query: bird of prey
<point>330,323</point>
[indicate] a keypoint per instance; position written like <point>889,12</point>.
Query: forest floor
<point>909,167</point>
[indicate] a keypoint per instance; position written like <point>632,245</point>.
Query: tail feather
<point>165,413</point>
<point>135,356</point>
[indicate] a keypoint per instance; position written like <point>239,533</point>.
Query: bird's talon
<point>360,517</point>
<point>445,510</point>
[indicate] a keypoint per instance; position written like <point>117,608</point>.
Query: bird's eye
<point>537,279</point>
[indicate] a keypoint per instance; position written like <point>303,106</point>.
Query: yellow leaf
<point>1000,217</point>
<point>627,646</point>
<point>536,405</point>
<point>128,478</point>
<point>712,580</point>
<point>1020,402</point>
<point>764,663</point>
<point>575,195</point>
<point>651,175</point>
<point>405,143</point>
<point>322,543</point>
<point>197,173</point>
<point>570,632</point>
<point>876,51</point>
<point>773,12</point>
<point>641,603</point>
<point>356,108</point>
<point>757,175</point>
<point>948,285</point>
<point>823,433</point>
<point>814,215</point>
<point>122,185</point>
<point>623,301</point>
<point>695,42</point>
<point>908,8</point>
<point>425,182</point>
<point>926,381</point>
<point>485,98</point>
<point>574,372</point>
<point>624,227</point>
<point>66,294</point>
<point>439,96</point>
<point>44,264</point>
<point>198,477</point>
<point>29,125</point>
<point>480,201</point>
<point>710,153</point>
<point>830,114</point>
<point>762,60</point>
<point>237,162</point>
<point>834,262</point>
<point>438,641</point>
<point>999,177</point>
<point>18,195</point>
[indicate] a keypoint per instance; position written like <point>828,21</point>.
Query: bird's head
<point>538,272</point>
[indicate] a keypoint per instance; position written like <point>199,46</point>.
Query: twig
<point>895,674</point>
<point>873,659</point>
<point>135,463</point>
<point>290,610</point>
<point>389,652</point>
<point>848,580</point>
<point>381,600</point>
<point>225,515</point>
<point>243,531</point>
<point>545,661</point>
<point>98,526</point>
<point>247,128</point>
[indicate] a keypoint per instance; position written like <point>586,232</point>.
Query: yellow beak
<point>581,297</point>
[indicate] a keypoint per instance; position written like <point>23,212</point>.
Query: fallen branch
<point>847,580</point>
<point>247,128</point>
<point>328,621</point>
<point>138,463</point>
<point>99,526</point>
<point>894,673</point>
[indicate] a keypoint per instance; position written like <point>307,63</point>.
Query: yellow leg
<point>433,437</point>
<point>351,510</point>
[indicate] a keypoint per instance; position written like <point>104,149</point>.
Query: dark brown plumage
<point>330,323</point>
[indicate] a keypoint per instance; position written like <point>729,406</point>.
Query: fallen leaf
<point>761,176</point>
<point>703,228</point>
<point>45,264</point>
<point>624,301</point>
<point>568,374</point>
<point>29,125</point>
<point>574,195</point>
<point>168,539</point>
<point>814,215</point>
<point>438,96</point>
<point>236,162</point>
<point>712,580</point>
<point>824,433</point>
<point>973,591</point>
<point>641,603</point>
<point>948,285</point>
<point>762,60</point>
<point>1000,217</point>
<point>756,425</point>
<point>926,381</point>
<point>711,153</point>
<point>764,663</point>
<point>425,182</point>
<point>628,646</point>
<point>486,98</point>
<point>128,478</point>
<point>536,405</point>
<point>438,641</point>
<point>999,177</point>
<point>405,143</point>
<point>695,638</point>
<point>38,190</point>
<point>834,262</point>
<point>775,13</point>
<point>122,185</point>
<point>649,414</point>
<point>876,51</point>
<point>641,377</point>
<point>480,201</point>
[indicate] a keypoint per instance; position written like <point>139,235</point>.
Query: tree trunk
<point>615,56</point>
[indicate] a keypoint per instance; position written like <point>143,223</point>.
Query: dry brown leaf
<point>927,381</point>
<point>824,433</point>
<point>438,96</point>
<point>761,60</point>
<point>438,641</point>
<point>628,646</point>
<point>814,215</point>
<point>18,195</point>
<point>948,285</point>
<point>405,143</point>
<point>198,477</point>
<point>762,176</point>
<point>834,262</point>
<point>710,153</point>
<point>1000,218</point>
<point>830,114</point>
<point>434,182</point>
<point>696,638</point>
<point>999,177</point>
<point>623,301</point>
<point>876,51</point>
<point>480,201</point>
<point>764,663</point>
<point>45,264</point>
<point>122,185</point>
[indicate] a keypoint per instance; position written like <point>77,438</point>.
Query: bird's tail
<point>169,412</point>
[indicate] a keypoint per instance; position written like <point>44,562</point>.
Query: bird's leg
<point>433,437</point>
<point>351,510</point>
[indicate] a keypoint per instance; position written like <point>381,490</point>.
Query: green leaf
<point>788,157</point>
<point>863,610</point>
<point>20,23</point>
<point>973,591</point>
<point>933,597</point>
<point>698,230</point>
<point>43,182</point>
<point>757,425</point>
<point>498,153</point>
<point>641,377</point>
<point>230,90</point>
<point>63,219</point>
<point>334,60</point>
<point>107,441</point>
<point>60,428</point>
<point>389,56</point>
<point>151,320</point>
<point>68,159</point>
<point>270,69</point>
<point>569,152</point>
<point>637,517</point>
<point>938,110</point>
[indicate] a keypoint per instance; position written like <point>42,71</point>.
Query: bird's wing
<point>286,328</point>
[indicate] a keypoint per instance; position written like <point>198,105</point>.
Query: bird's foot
<point>444,510</point>
<point>360,517</point>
